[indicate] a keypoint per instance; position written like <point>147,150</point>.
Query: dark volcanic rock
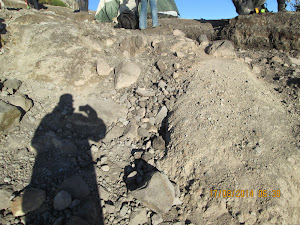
<point>280,31</point>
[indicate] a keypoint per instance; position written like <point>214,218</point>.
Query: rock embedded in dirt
<point>162,67</point>
<point>13,84</point>
<point>138,217</point>
<point>145,92</point>
<point>127,74</point>
<point>9,115</point>
<point>163,112</point>
<point>203,40</point>
<point>222,48</point>
<point>158,195</point>
<point>158,143</point>
<point>5,196</point>
<point>21,100</point>
<point>62,200</point>
<point>29,200</point>
<point>103,68</point>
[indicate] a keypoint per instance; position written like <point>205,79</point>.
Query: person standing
<point>83,5</point>
<point>143,14</point>
<point>281,5</point>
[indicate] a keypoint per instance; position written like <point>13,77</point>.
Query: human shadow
<point>2,29</point>
<point>64,162</point>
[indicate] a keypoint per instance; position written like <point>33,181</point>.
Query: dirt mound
<point>265,31</point>
<point>229,132</point>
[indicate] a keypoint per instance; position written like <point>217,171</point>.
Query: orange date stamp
<point>244,193</point>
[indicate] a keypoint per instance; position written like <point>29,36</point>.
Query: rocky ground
<point>112,126</point>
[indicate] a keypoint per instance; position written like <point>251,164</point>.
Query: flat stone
<point>9,115</point>
<point>139,217</point>
<point>27,201</point>
<point>144,92</point>
<point>163,112</point>
<point>62,200</point>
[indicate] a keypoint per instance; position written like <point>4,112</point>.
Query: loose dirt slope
<point>112,106</point>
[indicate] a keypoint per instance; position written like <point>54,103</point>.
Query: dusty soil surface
<point>212,123</point>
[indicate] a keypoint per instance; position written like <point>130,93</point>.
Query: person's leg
<point>154,15</point>
<point>36,4</point>
<point>143,15</point>
<point>281,5</point>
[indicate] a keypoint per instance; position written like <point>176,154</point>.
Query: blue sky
<point>205,9</point>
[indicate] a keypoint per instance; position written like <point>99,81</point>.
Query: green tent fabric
<point>108,9</point>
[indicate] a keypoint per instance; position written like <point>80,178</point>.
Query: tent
<point>108,9</point>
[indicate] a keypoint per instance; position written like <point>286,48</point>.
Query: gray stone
<point>139,217</point>
<point>127,74</point>
<point>27,201</point>
<point>124,210</point>
<point>162,84</point>
<point>156,219</point>
<point>105,168</point>
<point>9,115</point>
<point>109,111</point>
<point>110,208</point>
<point>144,92</point>
<point>158,195</point>
<point>143,132</point>
<point>203,40</point>
<point>163,112</point>
<point>62,200</point>
<point>76,187</point>
<point>158,143</point>
<point>103,68</point>
<point>221,48</point>
<point>162,67</point>
<point>179,54</point>
<point>74,203</point>
<point>12,83</point>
